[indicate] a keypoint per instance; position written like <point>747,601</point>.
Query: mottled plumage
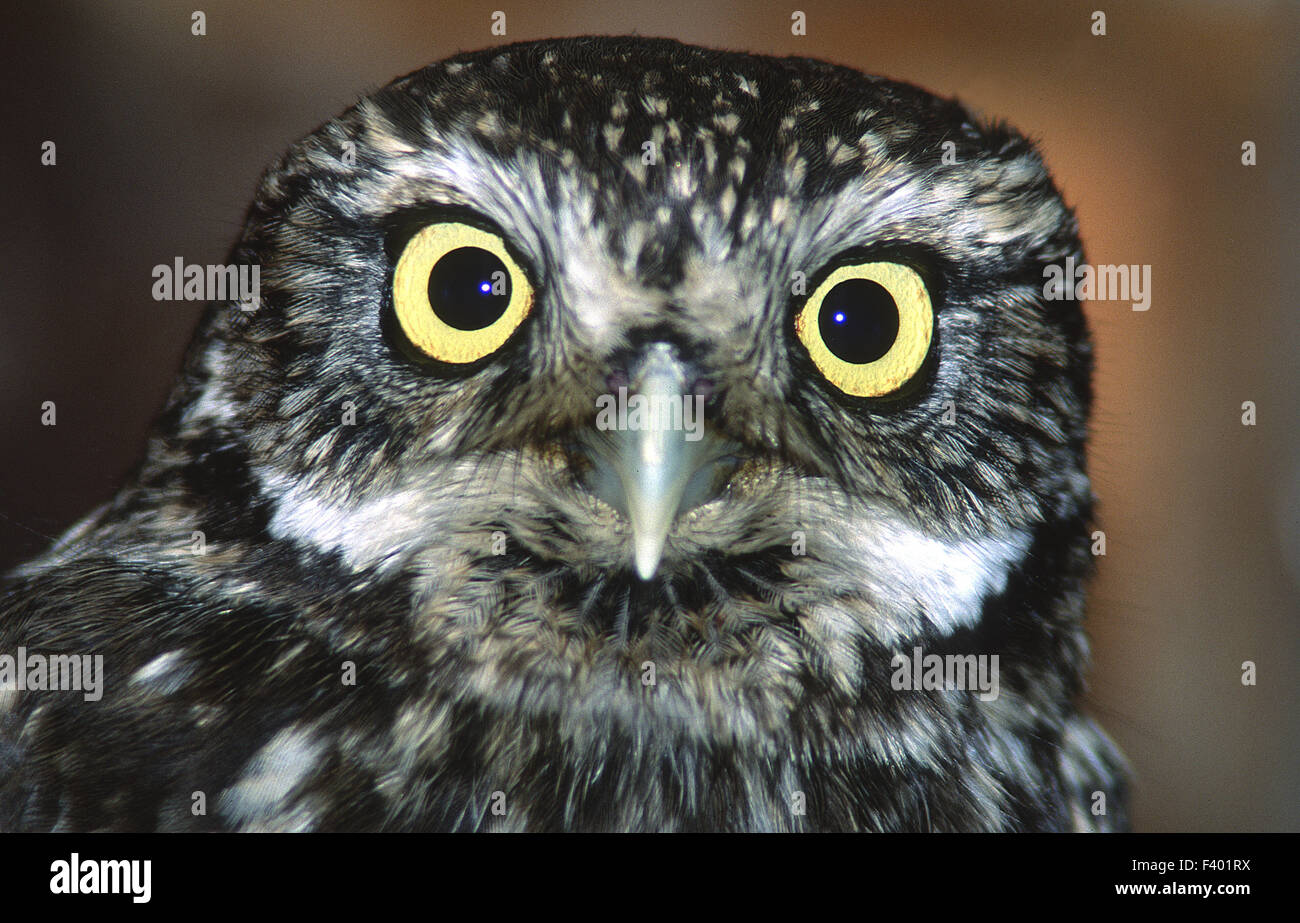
<point>439,527</point>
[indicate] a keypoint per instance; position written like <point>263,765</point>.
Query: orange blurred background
<point>161,137</point>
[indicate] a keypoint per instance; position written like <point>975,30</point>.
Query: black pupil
<point>469,288</point>
<point>858,321</point>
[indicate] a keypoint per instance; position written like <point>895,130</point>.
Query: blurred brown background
<point>161,136</point>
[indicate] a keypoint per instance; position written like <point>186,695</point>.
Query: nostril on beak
<point>704,388</point>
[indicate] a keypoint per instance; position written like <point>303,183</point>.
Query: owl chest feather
<point>381,713</point>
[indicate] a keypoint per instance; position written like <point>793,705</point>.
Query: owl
<point>623,436</point>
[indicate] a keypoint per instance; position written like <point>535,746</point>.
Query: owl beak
<point>653,456</point>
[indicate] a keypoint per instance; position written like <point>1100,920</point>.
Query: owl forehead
<point>617,109</point>
<point>659,151</point>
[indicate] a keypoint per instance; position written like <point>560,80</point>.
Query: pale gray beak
<point>653,457</point>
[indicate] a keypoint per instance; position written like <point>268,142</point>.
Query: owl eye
<point>457,292</point>
<point>868,327</point>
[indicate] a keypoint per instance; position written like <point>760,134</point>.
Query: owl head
<point>686,353</point>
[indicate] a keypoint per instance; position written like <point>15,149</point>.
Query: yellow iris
<point>424,320</point>
<point>900,359</point>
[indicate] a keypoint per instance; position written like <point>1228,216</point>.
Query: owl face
<point>842,274</point>
<point>613,414</point>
